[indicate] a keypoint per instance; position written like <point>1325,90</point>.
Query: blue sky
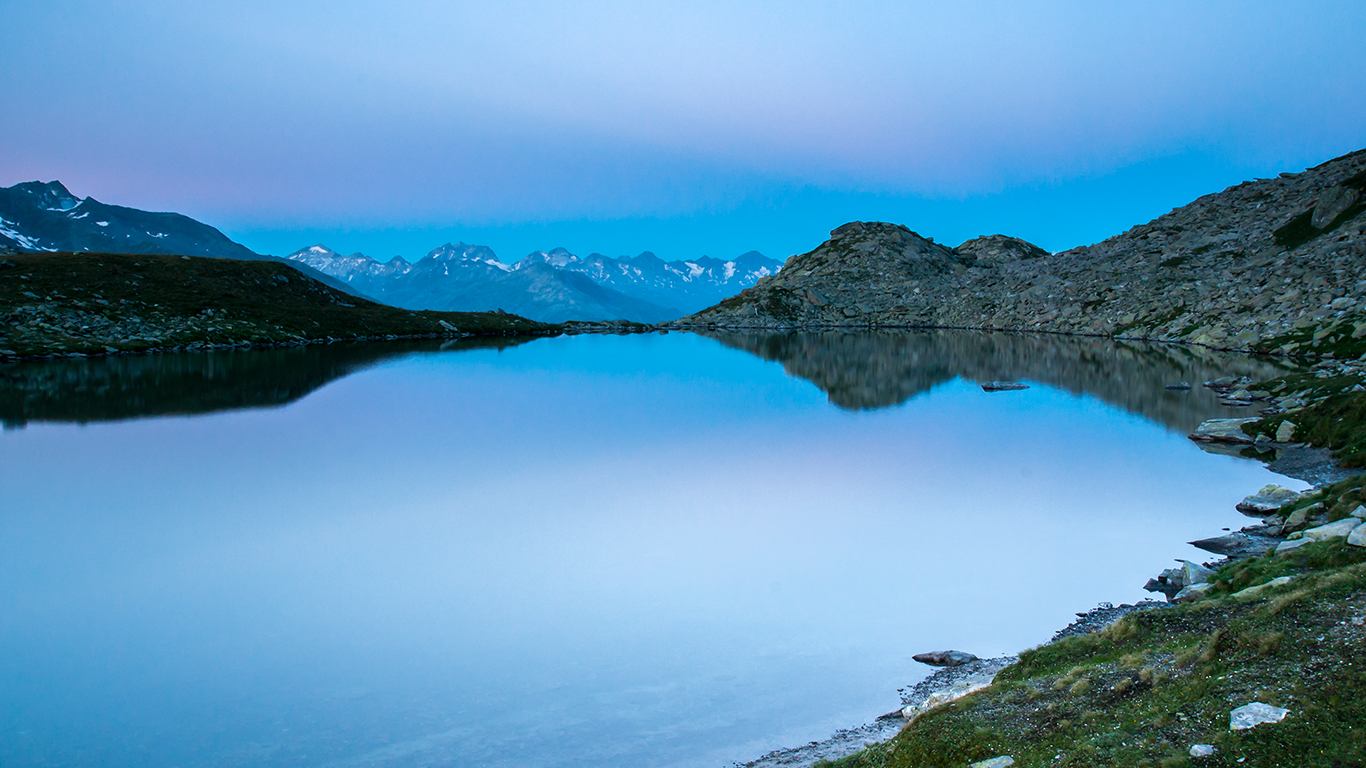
<point>686,128</point>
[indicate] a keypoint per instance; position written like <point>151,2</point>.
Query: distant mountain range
<point>551,286</point>
<point>547,285</point>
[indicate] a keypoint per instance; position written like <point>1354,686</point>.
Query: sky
<point>683,128</point>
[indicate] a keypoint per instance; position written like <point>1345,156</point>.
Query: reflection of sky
<point>646,550</point>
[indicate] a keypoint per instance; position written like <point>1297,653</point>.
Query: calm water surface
<point>630,551</point>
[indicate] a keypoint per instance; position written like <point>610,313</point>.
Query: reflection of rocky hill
<point>876,369</point>
<point>137,386</point>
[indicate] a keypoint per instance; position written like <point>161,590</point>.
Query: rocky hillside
<point>84,303</point>
<point>1272,264</point>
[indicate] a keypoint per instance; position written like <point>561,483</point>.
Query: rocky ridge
<point>1268,265</point>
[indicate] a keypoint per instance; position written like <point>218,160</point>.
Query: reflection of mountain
<point>877,369</point>
<point>138,386</point>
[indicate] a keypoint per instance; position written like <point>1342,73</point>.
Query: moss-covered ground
<point>1144,690</point>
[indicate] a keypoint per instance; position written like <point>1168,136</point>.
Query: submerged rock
<point>1235,545</point>
<point>1180,386</point>
<point>945,658</point>
<point>1223,431</point>
<point>1266,501</point>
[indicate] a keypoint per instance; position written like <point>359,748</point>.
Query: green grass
<point>1141,692</point>
<point>65,303</point>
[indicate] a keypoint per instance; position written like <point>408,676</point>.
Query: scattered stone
<point>1285,431</point>
<point>1266,501</point>
<point>1291,544</point>
<point>1337,530</point>
<point>1253,592</point>
<point>1235,545</point>
<point>1003,386</point>
<point>995,762</point>
<point>945,658</point>
<point>1357,537</point>
<point>1203,750</point>
<point>1192,593</point>
<point>1223,431</point>
<point>1255,714</point>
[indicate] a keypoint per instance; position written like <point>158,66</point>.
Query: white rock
<point>1202,750</point>
<point>1223,431</point>
<point>1256,591</point>
<point>1285,431</point>
<point>995,762</point>
<point>1336,530</point>
<point>1360,511</point>
<point>1191,593</point>
<point>1290,545</point>
<point>1254,714</point>
<point>1194,573</point>
<point>1357,537</point>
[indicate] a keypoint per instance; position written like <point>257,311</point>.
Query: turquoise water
<point>632,551</point>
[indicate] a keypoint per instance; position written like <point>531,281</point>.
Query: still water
<point>664,550</point>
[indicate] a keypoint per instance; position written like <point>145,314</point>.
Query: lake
<point>646,550</point>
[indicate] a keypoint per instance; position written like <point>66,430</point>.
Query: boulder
<point>1223,431</point>
<point>1203,750</point>
<point>1194,573</point>
<point>1291,544</point>
<point>1255,592</point>
<point>1285,431</point>
<point>1360,511</point>
<point>1336,530</point>
<point>1266,501</point>
<point>1254,714</point>
<point>1331,203</point>
<point>1357,537</point>
<point>995,762</point>
<point>1234,545</point>
<point>1192,593</point>
<point>945,658</point>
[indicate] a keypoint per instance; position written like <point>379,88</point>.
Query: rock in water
<point>1254,714</point>
<point>1223,431</point>
<point>945,658</point>
<point>1003,386</point>
<point>1180,386</point>
<point>1268,500</point>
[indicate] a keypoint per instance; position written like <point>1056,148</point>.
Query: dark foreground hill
<point>38,217</point>
<point>69,303</point>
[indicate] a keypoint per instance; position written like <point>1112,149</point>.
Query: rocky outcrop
<point>1272,264</point>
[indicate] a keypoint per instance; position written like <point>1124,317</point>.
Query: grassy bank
<point>96,303</point>
<point>1145,690</point>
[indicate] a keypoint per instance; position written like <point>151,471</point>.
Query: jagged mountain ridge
<point>1260,265</point>
<point>38,217</point>
<point>546,285</point>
